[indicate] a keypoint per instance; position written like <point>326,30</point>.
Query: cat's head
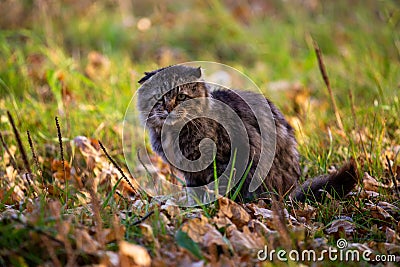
<point>168,92</point>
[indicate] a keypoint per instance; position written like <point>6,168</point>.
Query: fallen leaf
<point>265,213</point>
<point>85,242</point>
<point>391,236</point>
<point>147,232</point>
<point>112,234</point>
<point>371,184</point>
<point>236,213</point>
<point>136,253</point>
<point>196,228</point>
<point>171,208</point>
<point>308,213</point>
<point>222,222</point>
<point>214,238</point>
<point>260,228</point>
<point>389,207</point>
<point>392,248</point>
<point>58,169</point>
<point>339,226</point>
<point>109,258</point>
<point>378,212</point>
<point>245,242</point>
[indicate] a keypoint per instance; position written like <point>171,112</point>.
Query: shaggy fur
<point>155,104</point>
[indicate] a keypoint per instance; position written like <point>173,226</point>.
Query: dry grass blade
<point>61,147</point>
<point>327,83</point>
<point>117,167</point>
<point>62,158</point>
<point>21,148</point>
<point>19,142</point>
<point>34,156</point>
<point>12,160</point>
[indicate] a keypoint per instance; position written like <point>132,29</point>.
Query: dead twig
<point>139,221</point>
<point>327,83</point>
<point>28,170</point>
<point>21,148</point>
<point>117,167</point>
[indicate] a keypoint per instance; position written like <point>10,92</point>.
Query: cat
<point>163,102</point>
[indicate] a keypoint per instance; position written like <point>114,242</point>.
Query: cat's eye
<point>181,97</point>
<point>158,97</point>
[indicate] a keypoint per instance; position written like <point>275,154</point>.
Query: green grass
<point>44,53</point>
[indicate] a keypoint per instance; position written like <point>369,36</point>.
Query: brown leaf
<point>341,226</point>
<point>214,237</point>
<point>371,184</point>
<point>147,232</point>
<point>378,212</point>
<point>58,169</point>
<point>265,213</point>
<point>222,222</point>
<point>130,252</point>
<point>236,213</point>
<point>260,228</point>
<point>85,242</point>
<point>90,153</point>
<point>391,236</point>
<point>392,248</point>
<point>389,207</point>
<point>171,208</point>
<point>196,228</point>
<point>308,212</point>
<point>245,242</point>
<point>112,234</point>
<point>213,240</point>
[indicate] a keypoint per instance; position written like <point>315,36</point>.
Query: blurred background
<point>81,59</point>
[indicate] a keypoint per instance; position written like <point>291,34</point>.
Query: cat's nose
<point>170,108</point>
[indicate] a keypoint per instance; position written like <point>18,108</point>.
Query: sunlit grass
<point>44,73</point>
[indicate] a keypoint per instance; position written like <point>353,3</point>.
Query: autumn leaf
<point>129,252</point>
<point>236,213</point>
<point>341,226</point>
<point>58,170</point>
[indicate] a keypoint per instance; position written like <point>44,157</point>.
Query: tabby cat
<point>163,102</point>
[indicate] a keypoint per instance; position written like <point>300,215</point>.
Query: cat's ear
<point>197,72</point>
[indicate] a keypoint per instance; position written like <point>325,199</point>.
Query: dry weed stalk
<point>21,148</point>
<point>35,158</point>
<point>117,167</point>
<point>328,85</point>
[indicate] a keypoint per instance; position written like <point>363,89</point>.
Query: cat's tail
<point>337,184</point>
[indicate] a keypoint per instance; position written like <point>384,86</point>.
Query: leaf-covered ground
<point>80,61</point>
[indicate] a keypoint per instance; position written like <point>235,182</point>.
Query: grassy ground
<point>80,61</point>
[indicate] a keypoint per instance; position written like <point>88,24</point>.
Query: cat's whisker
<point>193,120</point>
<point>157,114</point>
